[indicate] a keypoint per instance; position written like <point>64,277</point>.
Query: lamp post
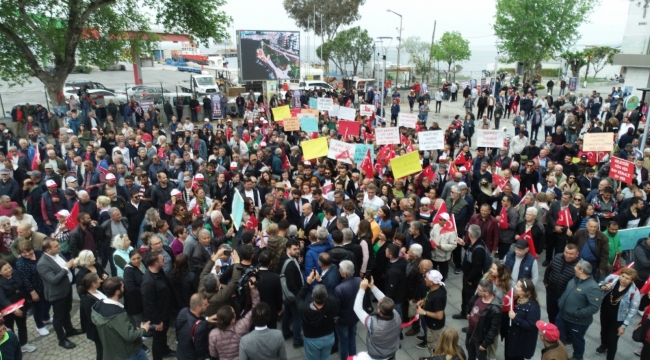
<point>399,46</point>
<point>383,82</point>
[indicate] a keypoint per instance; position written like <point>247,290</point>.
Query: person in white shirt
<point>370,200</point>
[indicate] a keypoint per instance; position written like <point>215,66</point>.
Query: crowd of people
<point>136,216</point>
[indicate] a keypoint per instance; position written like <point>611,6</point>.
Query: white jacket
<point>549,119</point>
<point>517,144</point>
<point>446,241</point>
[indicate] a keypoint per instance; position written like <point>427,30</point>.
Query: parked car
<point>150,92</point>
<point>88,84</point>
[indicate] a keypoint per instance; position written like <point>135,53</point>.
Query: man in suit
<point>330,276</point>
<point>330,219</point>
<point>556,235</point>
<point>294,207</point>
<point>270,289</point>
<point>308,220</point>
<point>640,172</point>
<point>57,279</point>
<point>262,343</point>
<point>206,247</point>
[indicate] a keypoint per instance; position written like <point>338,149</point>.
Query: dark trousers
<point>577,332</point>
<point>438,106</point>
<point>159,347</point>
<point>645,300</point>
<point>99,349</point>
<point>481,110</point>
<point>551,306</point>
<point>645,352</point>
<point>21,325</point>
<point>534,131</point>
<point>467,293</point>
<point>609,334</point>
<point>497,120</point>
<point>443,267</point>
<point>473,352</point>
<point>548,131</point>
<point>61,319</point>
<point>490,111</point>
<point>41,312</point>
<point>457,257</point>
<point>555,244</point>
<point>291,311</point>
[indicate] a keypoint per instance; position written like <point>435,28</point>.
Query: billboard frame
<point>239,55</point>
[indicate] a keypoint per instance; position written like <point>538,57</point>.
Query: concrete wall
<point>637,77</point>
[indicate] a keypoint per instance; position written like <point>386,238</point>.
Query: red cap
<point>550,331</point>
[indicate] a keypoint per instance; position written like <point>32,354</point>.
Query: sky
<point>473,20</point>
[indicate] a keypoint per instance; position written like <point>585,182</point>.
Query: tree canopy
<point>533,30</point>
<point>352,46</point>
<point>599,56</point>
<point>335,15</point>
<point>420,54</point>
<point>451,48</point>
<point>575,59</point>
<point>93,32</point>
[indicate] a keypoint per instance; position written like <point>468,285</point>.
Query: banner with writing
<point>385,136</point>
<point>281,112</point>
<point>325,104</point>
<point>406,165</point>
<point>316,148</point>
<point>407,120</point>
<point>621,170</point>
<point>341,151</point>
<point>361,151</point>
<point>367,109</point>
<point>431,140</point>
<point>347,113</point>
<point>489,138</point>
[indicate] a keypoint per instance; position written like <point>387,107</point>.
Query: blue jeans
<point>289,311</point>
<point>347,340</point>
<point>43,126</point>
<point>139,356</point>
<point>319,348</point>
<point>577,333</point>
<point>571,137</point>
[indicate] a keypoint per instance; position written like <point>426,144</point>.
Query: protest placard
<point>341,151</point>
<point>621,170</point>
<point>489,138</point>
<point>407,120</point>
<point>292,124</point>
<point>325,104</point>
<point>313,103</point>
<point>385,136</point>
<point>347,113</point>
<point>237,209</point>
<point>360,153</point>
<point>598,141</point>
<point>308,123</point>
<point>312,112</point>
<point>431,140</point>
<point>366,109</point>
<point>349,128</point>
<point>406,165</point>
<point>294,112</point>
<point>281,112</point>
<point>313,149</point>
<point>335,111</point>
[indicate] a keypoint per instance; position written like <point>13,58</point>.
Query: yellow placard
<point>316,148</point>
<point>281,112</point>
<point>310,111</point>
<point>406,165</point>
<point>291,124</point>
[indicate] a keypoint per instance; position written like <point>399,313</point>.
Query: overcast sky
<point>473,19</point>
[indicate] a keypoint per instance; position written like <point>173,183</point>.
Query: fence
<point>11,97</point>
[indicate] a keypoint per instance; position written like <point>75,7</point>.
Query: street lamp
<point>383,82</point>
<point>399,46</point>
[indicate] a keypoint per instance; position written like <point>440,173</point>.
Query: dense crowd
<point>132,209</point>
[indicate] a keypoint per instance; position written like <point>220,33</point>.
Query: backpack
<point>489,260</point>
<point>288,297</point>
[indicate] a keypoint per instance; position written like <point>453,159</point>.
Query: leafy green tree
<point>532,30</point>
<point>335,15</point>
<point>576,60</point>
<point>97,32</point>
<point>599,56</point>
<point>352,46</point>
<point>451,48</point>
<point>420,54</point>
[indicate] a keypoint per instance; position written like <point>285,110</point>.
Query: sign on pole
<point>489,138</point>
<point>341,151</point>
<point>237,209</point>
<point>281,112</point>
<point>431,140</point>
<point>406,165</point>
<point>386,136</point>
<point>313,149</point>
<point>598,141</point>
<point>621,170</point>
<point>407,120</point>
<point>367,110</point>
<point>325,104</point>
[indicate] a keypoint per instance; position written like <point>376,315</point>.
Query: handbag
<point>639,333</point>
<point>412,309</point>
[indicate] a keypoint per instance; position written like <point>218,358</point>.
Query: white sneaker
<point>43,331</point>
<point>640,312</point>
<point>28,348</point>
<point>48,321</point>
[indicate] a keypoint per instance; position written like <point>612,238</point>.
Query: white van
<point>313,84</point>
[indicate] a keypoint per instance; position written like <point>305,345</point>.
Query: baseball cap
<point>5,172</point>
<point>264,121</point>
<point>435,277</point>
<point>550,331</point>
<point>583,157</point>
<point>34,173</point>
<point>462,169</point>
<point>70,179</point>
<point>69,131</point>
<point>50,184</point>
<point>110,176</point>
<point>263,144</point>
<point>48,166</point>
<point>63,213</point>
<point>93,129</point>
<point>444,216</point>
<point>229,120</point>
<point>521,244</point>
<point>187,178</point>
<point>70,192</point>
<point>176,192</point>
<point>199,177</point>
<point>233,165</point>
<point>206,120</point>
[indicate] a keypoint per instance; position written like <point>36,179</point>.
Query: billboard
<point>268,55</point>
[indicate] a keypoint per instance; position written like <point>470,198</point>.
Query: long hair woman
<point>521,335</point>
<point>448,346</point>
<point>89,294</point>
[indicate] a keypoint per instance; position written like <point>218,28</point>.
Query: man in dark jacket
<point>484,315</point>
<point>345,293</point>
<point>157,298</point>
<point>579,302</point>
<point>556,235</point>
<point>271,288</point>
<point>416,230</point>
<point>161,193</point>
<point>475,254</point>
<point>192,329</point>
<point>86,236</point>
<point>557,276</point>
<point>395,286</point>
<point>291,271</point>
<point>338,253</point>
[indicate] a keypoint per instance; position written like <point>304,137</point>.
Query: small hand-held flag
<point>500,181</point>
<point>366,165</point>
<point>71,222</point>
<point>450,226</point>
<point>508,301</point>
<point>503,218</point>
<point>564,218</point>
<point>628,266</point>
<point>37,159</point>
<point>528,236</point>
<point>442,209</point>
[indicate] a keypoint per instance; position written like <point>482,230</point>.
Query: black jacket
<point>339,253</point>
<point>270,290</point>
<point>558,274</point>
<point>11,291</point>
<point>107,233</point>
<point>132,289</point>
<point>489,323</point>
<point>191,346</point>
<point>358,256</point>
<point>395,286</point>
<point>183,287</point>
<point>292,274</point>
<point>87,302</point>
<point>157,297</point>
<point>77,240</point>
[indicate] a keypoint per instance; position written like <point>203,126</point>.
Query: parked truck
<point>199,85</point>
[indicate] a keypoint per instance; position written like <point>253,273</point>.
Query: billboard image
<point>269,55</point>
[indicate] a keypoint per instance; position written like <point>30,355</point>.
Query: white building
<point>635,51</point>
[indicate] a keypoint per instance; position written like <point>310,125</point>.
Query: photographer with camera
<point>209,284</point>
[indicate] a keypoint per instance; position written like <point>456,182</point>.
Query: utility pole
<point>383,83</point>
<point>399,46</point>
<point>433,37</point>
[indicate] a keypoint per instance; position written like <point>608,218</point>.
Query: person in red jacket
<point>489,227</point>
<point>416,87</point>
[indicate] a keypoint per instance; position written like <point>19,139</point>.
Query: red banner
<point>349,128</point>
<point>621,170</point>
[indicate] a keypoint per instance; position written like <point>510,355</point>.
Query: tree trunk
<point>587,70</point>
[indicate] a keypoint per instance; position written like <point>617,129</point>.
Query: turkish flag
<point>460,159</point>
<point>533,189</point>
<point>591,157</point>
<point>37,159</point>
<point>366,165</point>
<point>71,222</point>
<point>429,173</point>
<point>628,266</point>
<point>508,301</point>
<point>327,188</point>
<point>252,223</point>
<point>646,287</point>
<point>197,209</point>
<point>617,263</point>
<point>285,163</point>
<point>368,136</point>
<point>564,218</point>
<point>452,170</point>
<point>499,180</point>
<point>503,218</point>
<point>450,226</point>
<point>528,236</point>
<point>442,209</point>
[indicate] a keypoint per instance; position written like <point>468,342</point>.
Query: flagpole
<point>512,303</point>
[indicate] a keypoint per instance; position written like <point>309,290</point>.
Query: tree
<point>420,54</point>
<point>344,12</point>
<point>575,59</point>
<point>353,46</point>
<point>533,30</point>
<point>599,56</point>
<point>451,48</point>
<point>92,32</point>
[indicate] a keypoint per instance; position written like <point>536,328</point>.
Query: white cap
<point>110,176</point>
<point>69,131</point>
<point>435,277</point>
<point>63,213</point>
<point>206,119</point>
<point>444,216</point>
<point>176,192</point>
<point>233,165</point>
<point>50,183</point>
<point>199,176</point>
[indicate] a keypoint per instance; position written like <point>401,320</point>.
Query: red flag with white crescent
<point>564,218</point>
<point>528,236</point>
<point>499,180</point>
<point>508,301</point>
<point>37,159</point>
<point>429,173</point>
<point>503,218</point>
<point>450,226</point>
<point>71,222</point>
<point>441,209</point>
<point>645,288</point>
<point>628,266</point>
<point>366,165</point>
